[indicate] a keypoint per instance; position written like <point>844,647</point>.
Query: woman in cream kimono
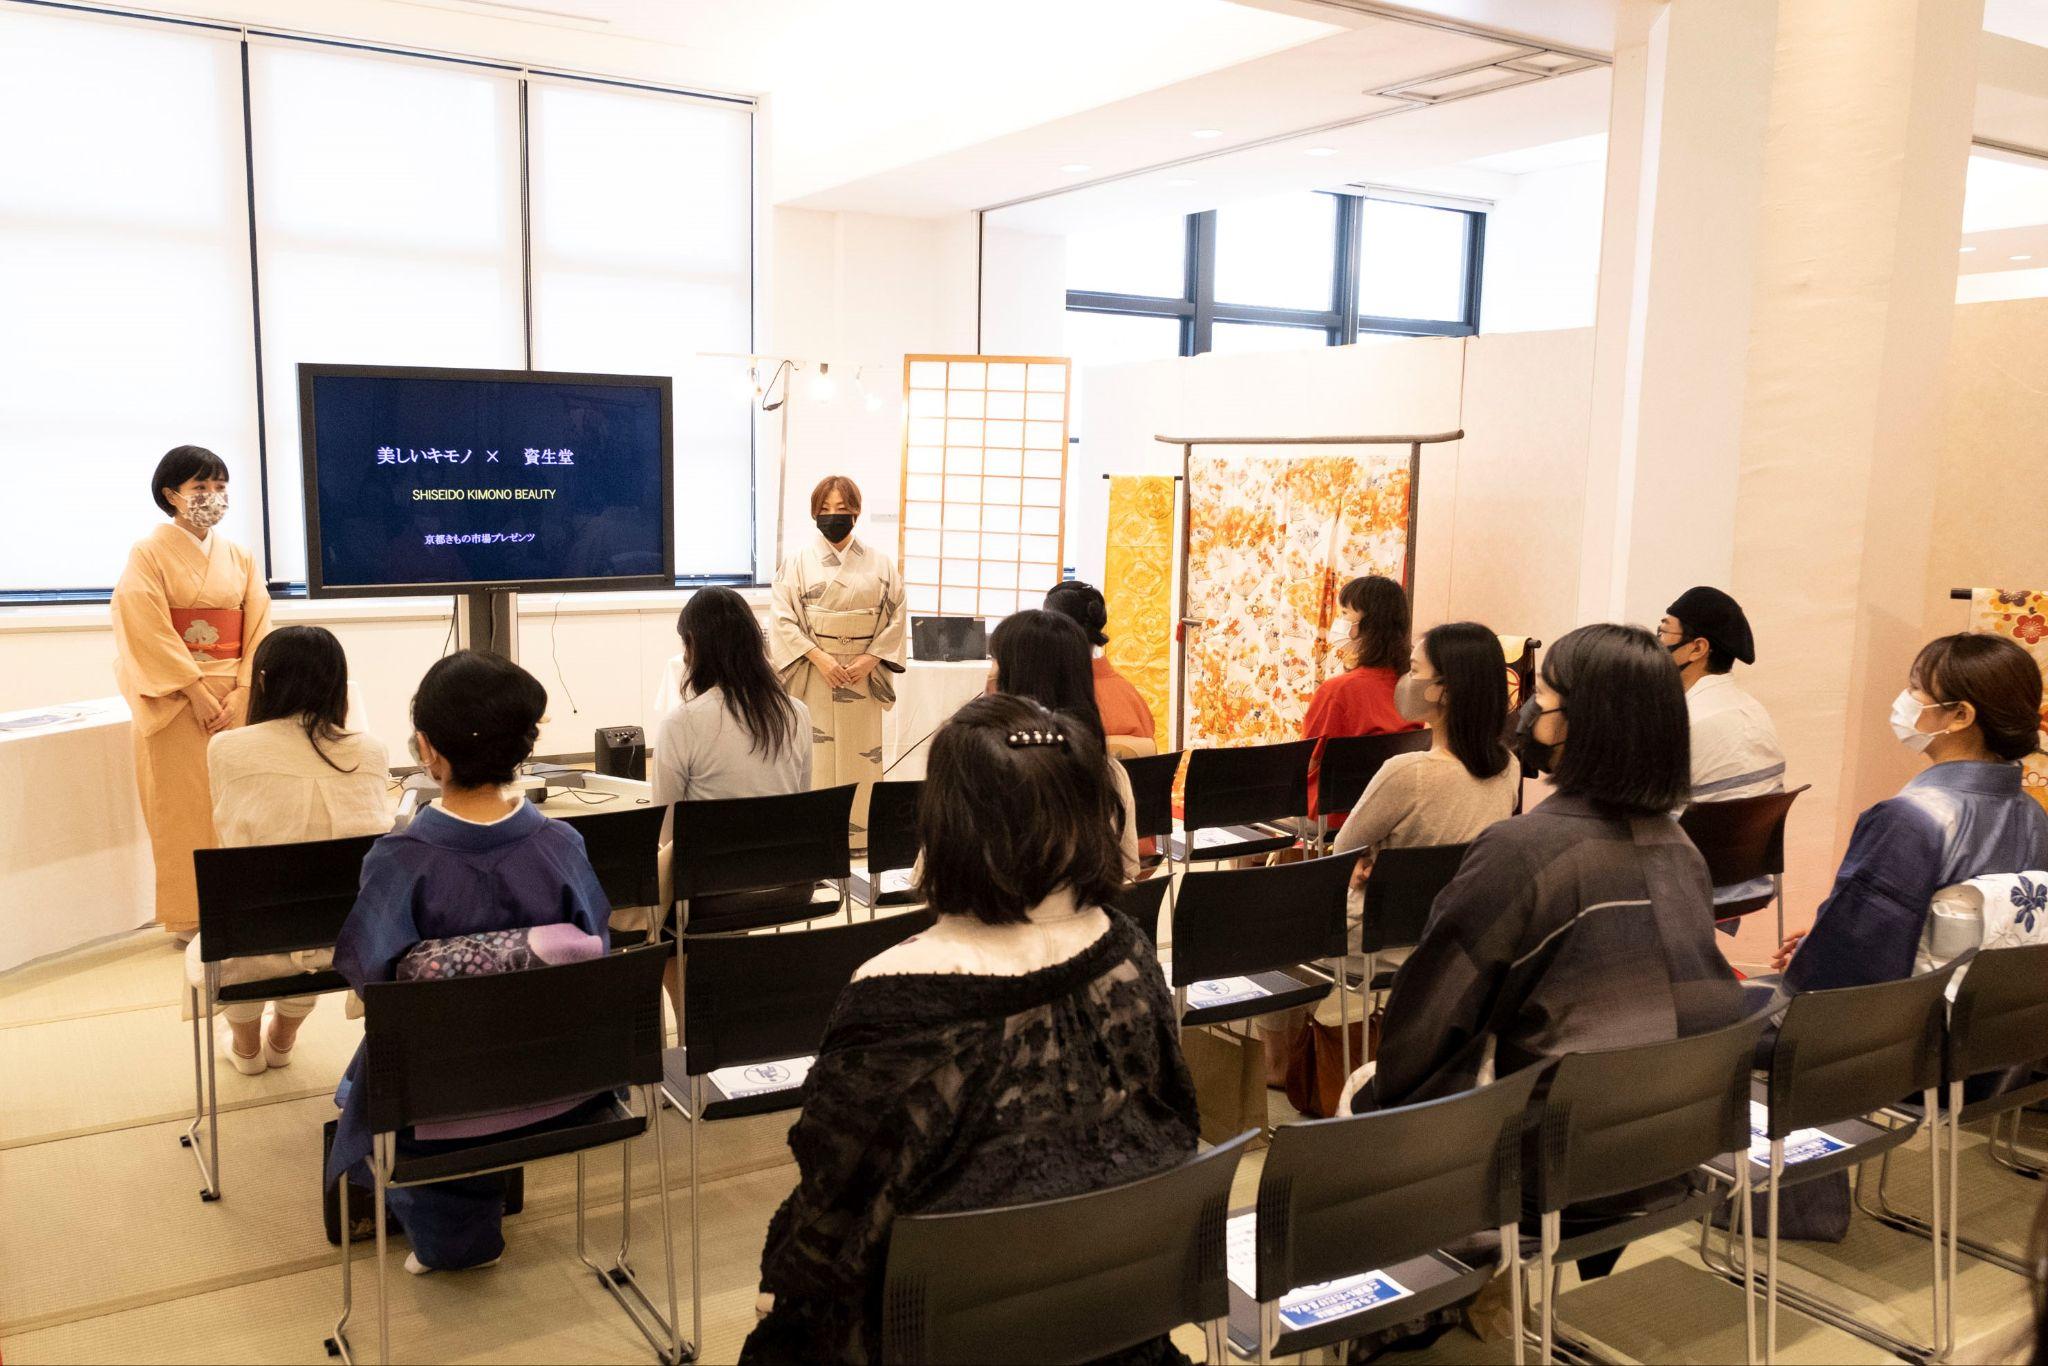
<point>836,638</point>
<point>188,613</point>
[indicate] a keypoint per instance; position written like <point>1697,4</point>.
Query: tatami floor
<point>108,1255</point>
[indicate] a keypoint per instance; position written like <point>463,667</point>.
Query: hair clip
<point>1026,739</point>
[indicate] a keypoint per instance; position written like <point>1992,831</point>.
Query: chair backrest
<point>1247,784</point>
<point>1152,791</point>
<point>276,898</point>
<point>1244,920</point>
<point>892,826</point>
<point>1521,671</point>
<point>757,997</point>
<point>1105,1271</point>
<point>1140,902</point>
<point>1403,886</point>
<point>1338,1197</point>
<point>1741,839</point>
<point>2000,1015</point>
<point>1847,1051</point>
<point>1350,762</point>
<point>464,1046</point>
<point>741,844</point>
<point>1619,1119</point>
<point>624,848</point>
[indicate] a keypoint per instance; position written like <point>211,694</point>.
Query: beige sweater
<point>1427,797</point>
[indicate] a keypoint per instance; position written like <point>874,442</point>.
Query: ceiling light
<point>1075,167</point>
<point>1965,248</point>
<point>1208,132</point>
<point>2021,257</point>
<point>1322,151</point>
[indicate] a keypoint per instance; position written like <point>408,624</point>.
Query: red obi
<point>209,633</point>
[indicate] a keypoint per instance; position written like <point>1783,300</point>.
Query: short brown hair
<point>839,484</point>
<point>1996,677</point>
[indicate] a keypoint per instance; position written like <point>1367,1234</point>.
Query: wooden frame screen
<point>984,482</point>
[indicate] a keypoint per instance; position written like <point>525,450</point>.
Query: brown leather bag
<point>1315,1065</point>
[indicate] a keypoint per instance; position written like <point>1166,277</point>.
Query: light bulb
<point>824,388</point>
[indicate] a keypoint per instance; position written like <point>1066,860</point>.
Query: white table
<point>74,854</point>
<point>927,693</point>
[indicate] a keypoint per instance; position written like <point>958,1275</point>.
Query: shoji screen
<point>124,285</point>
<point>642,261</point>
<point>387,213</point>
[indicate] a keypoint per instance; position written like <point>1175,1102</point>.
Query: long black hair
<point>1628,742</point>
<point>1474,674</point>
<point>302,673</point>
<point>1380,640</point>
<point>723,648</point>
<point>1044,656</point>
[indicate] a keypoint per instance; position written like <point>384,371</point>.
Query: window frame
<point>1341,323</point>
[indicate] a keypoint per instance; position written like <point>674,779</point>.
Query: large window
<point>1291,271</point>
<point>406,211</point>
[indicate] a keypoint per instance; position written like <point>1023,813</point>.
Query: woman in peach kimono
<point>835,635</point>
<point>188,614</point>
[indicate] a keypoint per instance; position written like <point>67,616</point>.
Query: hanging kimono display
<point>1271,540</point>
<point>1138,591</point>
<point>2022,615</point>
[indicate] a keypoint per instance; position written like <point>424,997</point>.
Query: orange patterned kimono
<point>182,613</point>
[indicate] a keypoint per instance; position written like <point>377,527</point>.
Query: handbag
<point>1229,1073</point>
<point>1315,1065</point>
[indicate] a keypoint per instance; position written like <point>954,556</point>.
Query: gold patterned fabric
<point>1271,540</point>
<point>1137,588</point>
<point>2019,614</point>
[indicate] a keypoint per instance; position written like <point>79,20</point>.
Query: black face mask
<point>835,526</point>
<point>1536,756</point>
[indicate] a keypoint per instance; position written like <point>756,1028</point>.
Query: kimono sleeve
<point>890,623</point>
<point>383,924</point>
<point>155,661</point>
<point>789,630</point>
<point>1870,925</point>
<point>584,903</point>
<point>1449,993</point>
<point>255,620</point>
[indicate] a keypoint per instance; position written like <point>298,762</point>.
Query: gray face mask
<point>1412,699</point>
<point>204,510</point>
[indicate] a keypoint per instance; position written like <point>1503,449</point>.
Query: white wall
<point>1543,251</point>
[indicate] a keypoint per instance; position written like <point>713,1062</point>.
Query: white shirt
<point>1735,749</point>
<point>702,754</point>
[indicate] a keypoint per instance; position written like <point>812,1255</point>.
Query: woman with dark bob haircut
<point>1022,1048</point>
<point>1972,706</point>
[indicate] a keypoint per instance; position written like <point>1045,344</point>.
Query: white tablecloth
<point>926,694</point>
<point>74,856</point>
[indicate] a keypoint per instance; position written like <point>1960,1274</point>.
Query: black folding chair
<point>892,847</point>
<point>1152,778</point>
<point>1404,885</point>
<point>1348,765</point>
<point>1243,939</point>
<point>1829,1102</point>
<point>755,1007</point>
<point>624,847</point>
<point>1997,1025</point>
<point>467,1046</point>
<point>1233,794</point>
<point>1141,902</point>
<point>1362,1208</point>
<point>1743,840</point>
<point>1107,1271</point>
<point>746,863</point>
<point>261,899</point>
<point>1629,1119</point>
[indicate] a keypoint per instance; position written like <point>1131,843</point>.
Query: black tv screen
<point>435,481</point>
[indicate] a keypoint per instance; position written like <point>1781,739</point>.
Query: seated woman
<point>1972,705</point>
<point>1126,717</point>
<point>1022,1049</point>
<point>733,732</point>
<point>293,773</point>
<point>1044,656</point>
<point>479,858</point>
<point>1360,700</point>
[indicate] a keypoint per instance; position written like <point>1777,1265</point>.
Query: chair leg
<point>205,1093</point>
<point>1546,1282</point>
<point>1771,1252</point>
<point>618,1279</point>
<point>1511,1267</point>
<point>683,1351</point>
<point>1216,1341</point>
<point>1269,1331</point>
<point>380,1172</point>
<point>1937,1311</point>
<point>338,1345</point>
<point>696,1219</point>
<point>1342,965</point>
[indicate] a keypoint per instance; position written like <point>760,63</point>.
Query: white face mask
<point>204,510</point>
<point>1906,721</point>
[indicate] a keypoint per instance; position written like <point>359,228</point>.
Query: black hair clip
<point>1026,739</point>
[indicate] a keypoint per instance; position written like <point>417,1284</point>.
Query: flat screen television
<point>430,481</point>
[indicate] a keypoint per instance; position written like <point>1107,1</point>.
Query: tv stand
<point>488,619</point>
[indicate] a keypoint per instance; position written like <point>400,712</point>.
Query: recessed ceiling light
<point>2021,257</point>
<point>1322,151</point>
<point>1965,248</point>
<point>1075,167</point>
<point>1208,132</point>
<point>1180,182</point>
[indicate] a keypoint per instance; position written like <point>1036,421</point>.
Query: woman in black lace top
<point>1021,1049</point>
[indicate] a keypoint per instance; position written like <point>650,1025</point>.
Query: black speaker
<point>621,752</point>
<point>948,639</point>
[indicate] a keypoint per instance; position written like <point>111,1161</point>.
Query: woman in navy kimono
<point>479,858</point>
